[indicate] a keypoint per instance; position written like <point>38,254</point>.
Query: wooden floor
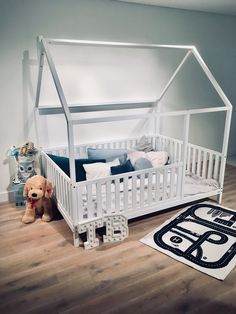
<point>41,271</point>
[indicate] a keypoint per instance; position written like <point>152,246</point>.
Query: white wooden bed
<point>193,172</point>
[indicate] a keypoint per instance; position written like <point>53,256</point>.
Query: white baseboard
<point>6,196</point>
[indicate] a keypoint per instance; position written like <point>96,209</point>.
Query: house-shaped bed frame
<point>111,201</point>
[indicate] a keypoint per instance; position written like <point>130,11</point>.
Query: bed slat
<point>108,197</point>
<point>157,186</point>
<point>210,166</point>
<point>172,182</point>
<point>142,185</point>
<point>90,201</point>
<point>126,191</point>
<point>81,210</point>
<point>117,195</point>
<point>199,161</point>
<point>99,199</point>
<point>216,168</point>
<point>134,191</point>
<point>150,178</point>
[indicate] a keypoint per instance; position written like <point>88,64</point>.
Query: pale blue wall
<point>21,21</point>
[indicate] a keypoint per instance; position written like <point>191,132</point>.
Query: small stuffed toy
<point>25,158</point>
<point>38,191</point>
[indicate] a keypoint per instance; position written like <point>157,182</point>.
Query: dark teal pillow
<point>126,167</point>
<point>63,163</point>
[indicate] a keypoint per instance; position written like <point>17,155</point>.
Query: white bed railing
<point>81,149</point>
<point>203,162</point>
<point>200,161</point>
<point>137,190</point>
<point>160,142</point>
<point>127,195</point>
<point>170,145</point>
<point>108,196</point>
<point>61,187</point>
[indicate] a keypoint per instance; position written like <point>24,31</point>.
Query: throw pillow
<point>126,167</point>
<point>158,159</point>
<point>108,154</point>
<point>142,163</point>
<point>144,145</point>
<point>99,170</point>
<point>63,163</point>
<point>135,155</point>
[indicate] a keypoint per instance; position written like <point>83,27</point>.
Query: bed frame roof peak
<point>44,50</point>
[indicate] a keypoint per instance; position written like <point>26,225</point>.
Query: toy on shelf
<point>25,158</point>
<point>38,191</point>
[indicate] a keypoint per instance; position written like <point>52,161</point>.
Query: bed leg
<point>76,238</point>
<point>219,198</point>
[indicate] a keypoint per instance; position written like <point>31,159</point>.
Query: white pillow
<point>99,170</point>
<point>133,156</point>
<point>158,159</point>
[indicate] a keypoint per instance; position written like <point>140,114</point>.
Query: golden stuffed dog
<point>39,193</point>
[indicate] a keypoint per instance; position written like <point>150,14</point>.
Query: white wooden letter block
<point>116,228</point>
<point>90,228</point>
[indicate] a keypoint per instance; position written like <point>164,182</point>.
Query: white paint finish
<point>96,43</point>
<point>212,6</point>
<point>145,191</point>
<point>21,22</point>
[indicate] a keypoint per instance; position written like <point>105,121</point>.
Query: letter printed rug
<point>202,236</point>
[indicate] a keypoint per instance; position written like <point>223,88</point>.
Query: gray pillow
<point>142,163</point>
<point>144,145</point>
<point>108,154</point>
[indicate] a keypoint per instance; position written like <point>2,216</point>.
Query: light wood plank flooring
<point>42,272</point>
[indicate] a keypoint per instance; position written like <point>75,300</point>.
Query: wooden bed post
<point>227,119</point>
<point>157,121</point>
<point>184,150</point>
<point>40,53</point>
<point>66,110</point>
<point>167,86</point>
<point>224,152</point>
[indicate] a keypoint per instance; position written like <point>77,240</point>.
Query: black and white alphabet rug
<point>202,236</point>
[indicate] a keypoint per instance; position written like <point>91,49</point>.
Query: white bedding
<point>194,185</point>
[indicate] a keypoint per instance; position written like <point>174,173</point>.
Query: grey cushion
<point>142,163</point>
<point>108,154</point>
<point>144,145</point>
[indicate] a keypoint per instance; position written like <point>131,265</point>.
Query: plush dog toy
<point>38,190</point>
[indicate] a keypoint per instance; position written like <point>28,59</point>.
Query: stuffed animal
<point>38,191</point>
<point>27,149</point>
<point>25,157</point>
